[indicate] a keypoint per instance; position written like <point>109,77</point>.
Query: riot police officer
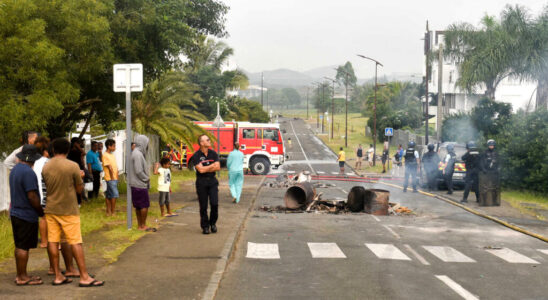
<point>489,177</point>
<point>471,161</point>
<point>431,161</point>
<point>412,166</point>
<point>449,161</point>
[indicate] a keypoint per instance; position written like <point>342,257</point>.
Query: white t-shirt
<point>38,166</point>
<point>370,153</point>
<point>164,179</point>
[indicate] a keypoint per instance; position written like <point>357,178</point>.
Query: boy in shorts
<point>24,212</point>
<point>63,179</point>
<point>164,183</point>
<point>111,177</point>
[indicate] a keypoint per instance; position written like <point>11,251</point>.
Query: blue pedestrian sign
<point>389,131</point>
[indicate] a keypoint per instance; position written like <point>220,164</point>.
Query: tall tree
<point>483,54</point>
<point>342,76</point>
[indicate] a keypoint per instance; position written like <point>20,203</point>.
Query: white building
<point>509,90</point>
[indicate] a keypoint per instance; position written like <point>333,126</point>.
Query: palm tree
<point>530,47</point>
<point>483,54</point>
<point>207,52</point>
<point>167,107</point>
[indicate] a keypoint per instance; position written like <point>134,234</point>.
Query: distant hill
<point>280,78</point>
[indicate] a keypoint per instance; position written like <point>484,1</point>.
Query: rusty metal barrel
<point>355,200</point>
<point>299,195</point>
<point>376,202</point>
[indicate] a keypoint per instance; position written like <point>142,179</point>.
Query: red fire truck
<point>261,143</point>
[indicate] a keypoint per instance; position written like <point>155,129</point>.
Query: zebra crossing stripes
<point>545,251</point>
<point>448,254</point>
<point>387,251</point>
<point>320,172</point>
<point>262,251</point>
<point>512,256</point>
<point>325,250</point>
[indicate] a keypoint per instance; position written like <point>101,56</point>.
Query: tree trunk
<point>542,93</point>
<point>87,123</point>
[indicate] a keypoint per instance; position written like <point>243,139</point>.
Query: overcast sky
<point>306,34</point>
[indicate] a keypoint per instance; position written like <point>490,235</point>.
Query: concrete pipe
<point>376,202</point>
<point>355,201</point>
<point>299,195</point>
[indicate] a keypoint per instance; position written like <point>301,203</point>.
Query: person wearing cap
<point>25,209</point>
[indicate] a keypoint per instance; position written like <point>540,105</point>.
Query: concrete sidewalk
<point>177,262</point>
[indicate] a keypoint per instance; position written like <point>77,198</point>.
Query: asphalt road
<point>439,252</point>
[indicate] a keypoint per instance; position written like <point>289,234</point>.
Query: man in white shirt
<point>28,138</point>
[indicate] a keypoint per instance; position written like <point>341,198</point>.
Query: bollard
<point>299,195</point>
<point>355,201</point>
<point>376,202</point>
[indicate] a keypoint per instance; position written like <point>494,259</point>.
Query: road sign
<point>121,79</point>
<point>128,78</point>
<point>389,131</point>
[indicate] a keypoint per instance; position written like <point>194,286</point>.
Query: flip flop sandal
<point>151,229</point>
<point>28,282</point>
<point>172,215</point>
<point>65,281</point>
<point>91,284</point>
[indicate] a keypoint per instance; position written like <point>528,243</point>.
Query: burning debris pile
<point>284,181</point>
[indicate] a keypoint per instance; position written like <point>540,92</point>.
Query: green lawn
<point>526,202</point>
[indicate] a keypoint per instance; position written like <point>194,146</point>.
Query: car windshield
<point>459,151</point>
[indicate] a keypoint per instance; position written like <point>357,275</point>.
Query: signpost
<point>128,78</point>
<point>389,132</point>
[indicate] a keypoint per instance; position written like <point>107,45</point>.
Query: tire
<point>260,166</point>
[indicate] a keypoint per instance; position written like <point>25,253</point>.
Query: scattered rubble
<point>398,210</point>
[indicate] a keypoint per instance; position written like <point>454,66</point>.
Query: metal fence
<point>152,156</point>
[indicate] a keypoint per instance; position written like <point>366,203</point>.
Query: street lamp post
<point>307,103</point>
<point>377,63</point>
<point>317,106</point>
<point>332,105</point>
<point>218,122</point>
<point>345,106</point>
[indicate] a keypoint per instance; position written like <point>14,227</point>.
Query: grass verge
<point>527,202</point>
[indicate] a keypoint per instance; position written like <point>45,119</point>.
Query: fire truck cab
<point>261,143</point>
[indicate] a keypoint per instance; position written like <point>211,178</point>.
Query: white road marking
<point>512,256</point>
<point>335,173</point>
<point>351,174</point>
<point>417,255</point>
<point>457,288</point>
<point>320,172</point>
<point>262,251</point>
<point>325,250</point>
<point>376,219</point>
<point>448,254</point>
<point>543,251</point>
<point>392,231</point>
<point>387,251</point>
<point>344,191</point>
<point>299,142</point>
<point>290,172</point>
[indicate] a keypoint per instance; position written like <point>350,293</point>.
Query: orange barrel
<point>299,195</point>
<point>376,202</point>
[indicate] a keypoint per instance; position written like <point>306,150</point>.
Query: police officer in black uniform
<point>489,184</point>
<point>431,161</point>
<point>471,161</point>
<point>449,161</point>
<point>412,166</point>
<point>206,162</point>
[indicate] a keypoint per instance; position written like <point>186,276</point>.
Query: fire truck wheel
<point>260,166</point>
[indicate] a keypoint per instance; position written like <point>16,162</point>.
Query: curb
<point>226,254</point>
<point>477,213</point>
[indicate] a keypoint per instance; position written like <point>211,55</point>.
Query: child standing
<point>164,183</point>
<point>111,177</point>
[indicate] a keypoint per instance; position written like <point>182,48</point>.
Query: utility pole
<point>332,105</point>
<point>377,63</point>
<point>262,87</point>
<point>346,111</point>
<point>306,102</point>
<point>267,107</point>
<point>426,53</point>
<point>440,91</point>
<point>323,96</point>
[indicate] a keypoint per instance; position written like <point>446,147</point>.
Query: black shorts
<point>341,164</point>
<point>25,234</point>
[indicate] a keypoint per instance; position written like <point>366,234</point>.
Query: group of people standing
<point>475,162</point>
<point>44,185</point>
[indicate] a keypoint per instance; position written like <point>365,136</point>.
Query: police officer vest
<point>410,156</point>
<point>472,163</point>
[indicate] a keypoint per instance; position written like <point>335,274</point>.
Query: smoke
<point>459,128</point>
